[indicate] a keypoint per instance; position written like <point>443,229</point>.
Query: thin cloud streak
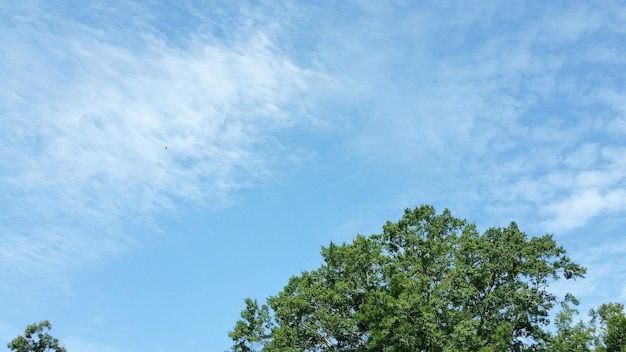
<point>99,134</point>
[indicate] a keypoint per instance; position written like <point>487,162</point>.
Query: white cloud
<point>582,192</point>
<point>581,206</point>
<point>501,107</point>
<point>602,256</point>
<point>101,135</point>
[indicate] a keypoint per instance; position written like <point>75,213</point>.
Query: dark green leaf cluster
<point>429,282</point>
<point>36,339</point>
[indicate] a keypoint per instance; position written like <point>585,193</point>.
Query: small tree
<point>610,322</point>
<point>36,339</point>
<point>571,336</point>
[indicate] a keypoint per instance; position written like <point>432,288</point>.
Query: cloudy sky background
<point>160,163</point>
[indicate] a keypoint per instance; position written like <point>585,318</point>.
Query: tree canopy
<point>36,339</point>
<point>428,282</point>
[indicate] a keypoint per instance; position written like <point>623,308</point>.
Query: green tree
<point>36,339</point>
<point>571,337</point>
<point>429,282</point>
<point>610,322</point>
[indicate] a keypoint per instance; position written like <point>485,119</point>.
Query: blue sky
<point>161,161</point>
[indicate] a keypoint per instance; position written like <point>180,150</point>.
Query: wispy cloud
<point>105,129</point>
<point>515,111</point>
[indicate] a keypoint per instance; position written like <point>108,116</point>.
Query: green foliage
<point>610,322</point>
<point>429,282</point>
<point>36,339</point>
<point>250,332</point>
<point>571,337</point>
